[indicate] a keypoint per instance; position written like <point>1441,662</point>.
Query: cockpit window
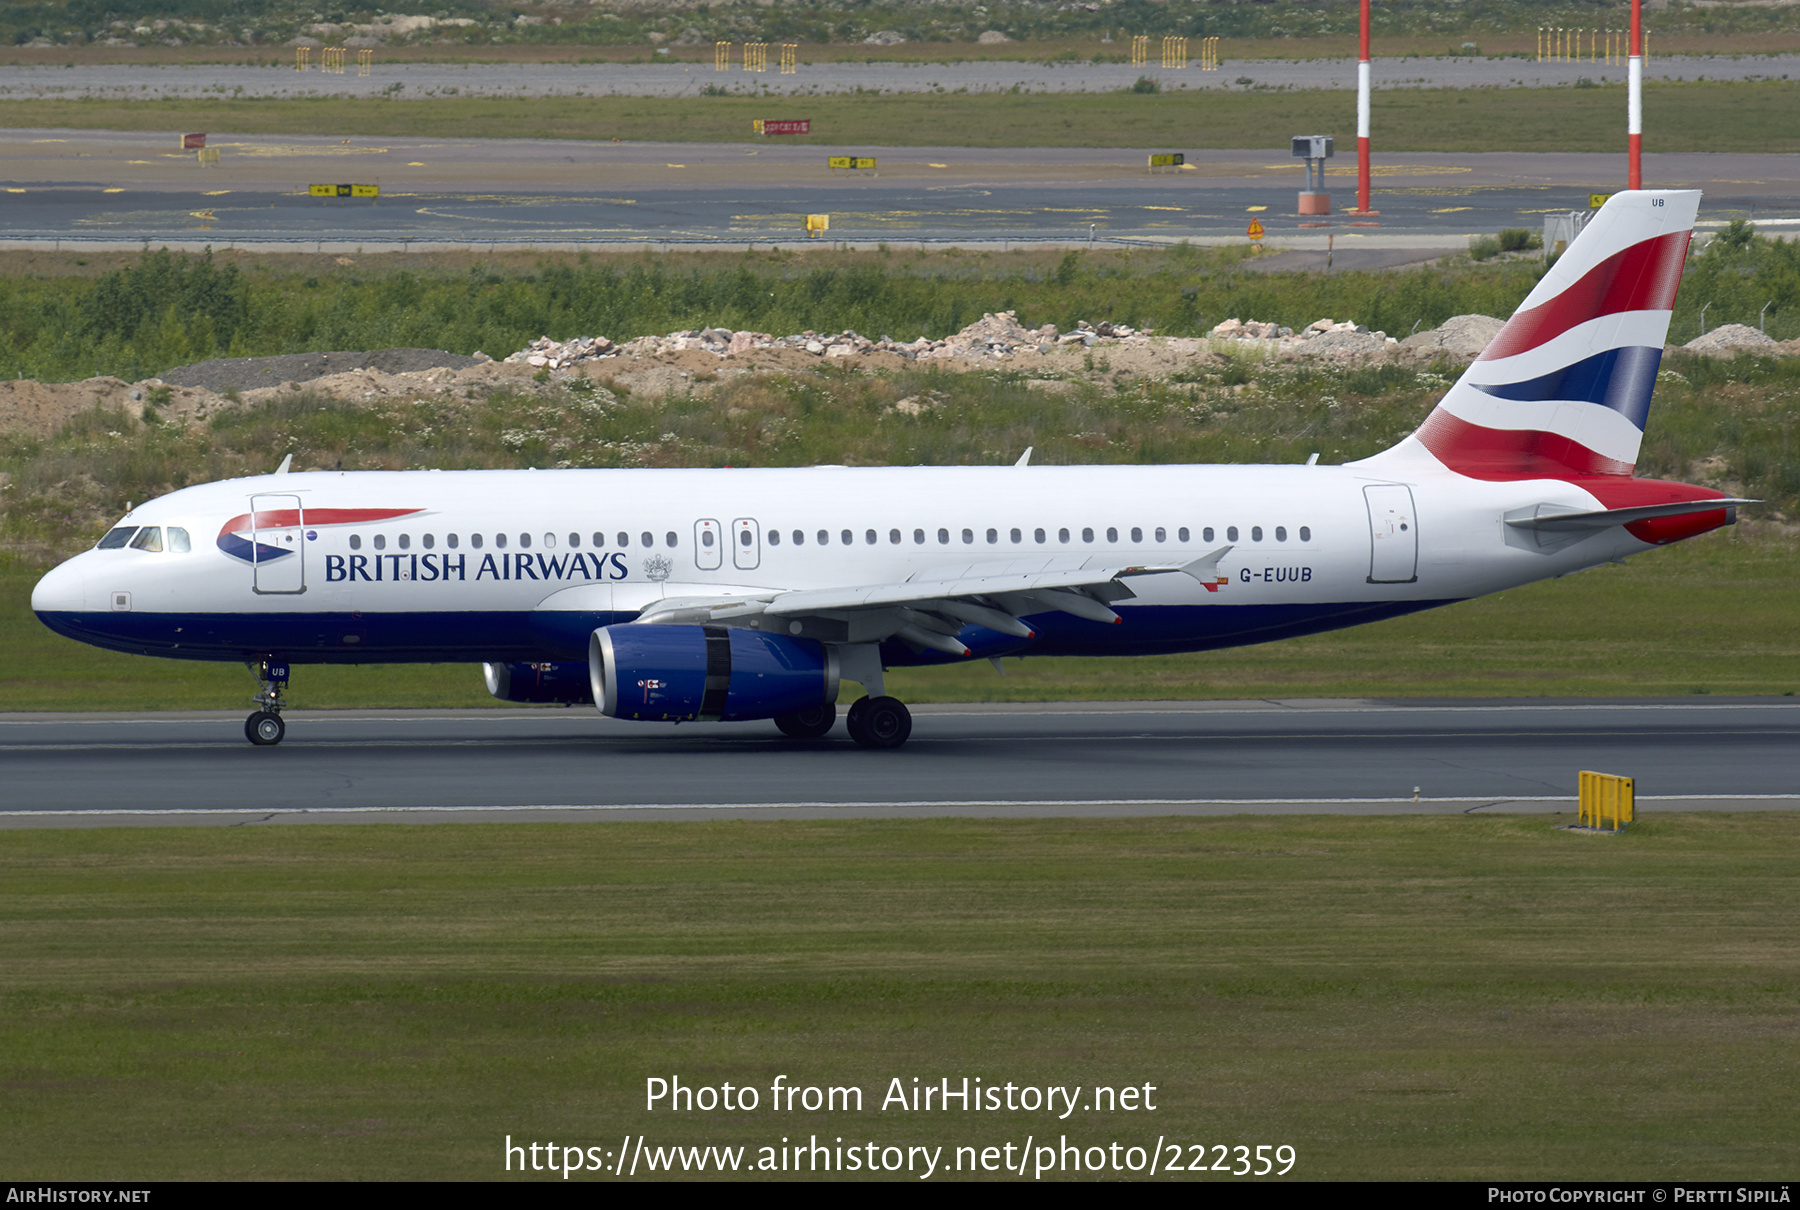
<point>178,540</point>
<point>148,538</point>
<point>117,538</point>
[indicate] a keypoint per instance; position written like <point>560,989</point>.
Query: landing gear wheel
<point>879,722</point>
<point>264,729</point>
<point>808,724</point>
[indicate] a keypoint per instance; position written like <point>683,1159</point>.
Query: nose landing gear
<point>265,728</point>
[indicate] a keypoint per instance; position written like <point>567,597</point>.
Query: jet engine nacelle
<point>679,673</point>
<point>567,683</point>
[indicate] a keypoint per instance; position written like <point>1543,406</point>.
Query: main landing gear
<point>808,724</point>
<point>873,722</point>
<point>879,722</point>
<point>265,728</point>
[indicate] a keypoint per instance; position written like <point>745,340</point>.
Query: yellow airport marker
<point>1452,209</point>
<point>678,165</point>
<point>11,190</point>
<point>937,165</point>
<point>1254,209</point>
<point>112,191</point>
<point>217,192</point>
<point>415,163</point>
<point>137,161</point>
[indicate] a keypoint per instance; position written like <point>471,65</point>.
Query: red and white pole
<point>1362,112</point>
<point>1634,111</point>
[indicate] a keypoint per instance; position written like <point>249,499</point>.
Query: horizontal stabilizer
<point>1559,519</point>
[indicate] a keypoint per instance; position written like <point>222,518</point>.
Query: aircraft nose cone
<point>63,590</point>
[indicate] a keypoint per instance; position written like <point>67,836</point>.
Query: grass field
<point>1436,997</point>
<point>1754,117</point>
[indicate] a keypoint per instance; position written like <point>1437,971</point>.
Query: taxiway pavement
<point>1077,759</point>
<point>102,189</point>
<point>424,81</point>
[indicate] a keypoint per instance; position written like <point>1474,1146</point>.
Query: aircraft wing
<point>932,607</point>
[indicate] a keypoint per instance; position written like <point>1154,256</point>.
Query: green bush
<point>1146,84</point>
<point>1484,247</point>
<point>1518,239</point>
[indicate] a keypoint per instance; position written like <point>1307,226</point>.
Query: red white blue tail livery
<point>1564,389</point>
<point>753,594</point>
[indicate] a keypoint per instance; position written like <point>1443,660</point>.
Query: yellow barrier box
<point>1606,801</point>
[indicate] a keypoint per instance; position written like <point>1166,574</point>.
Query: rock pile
<point>1728,338</point>
<point>1461,336</point>
<point>992,337</point>
<point>1321,338</point>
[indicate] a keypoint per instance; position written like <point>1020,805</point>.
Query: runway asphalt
<point>103,189</point>
<point>1078,759</point>
<point>415,81</point>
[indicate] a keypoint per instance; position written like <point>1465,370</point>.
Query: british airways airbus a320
<point>672,595</point>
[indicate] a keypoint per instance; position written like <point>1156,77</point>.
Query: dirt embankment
<point>697,362</point>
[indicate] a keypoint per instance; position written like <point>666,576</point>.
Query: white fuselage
<point>494,565</point>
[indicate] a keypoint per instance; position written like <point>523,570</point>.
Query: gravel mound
<point>249,373</point>
<point>1458,336</point>
<point>1727,337</point>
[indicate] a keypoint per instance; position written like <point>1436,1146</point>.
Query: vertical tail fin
<point>1565,387</point>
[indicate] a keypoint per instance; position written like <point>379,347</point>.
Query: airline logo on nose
<point>252,537</point>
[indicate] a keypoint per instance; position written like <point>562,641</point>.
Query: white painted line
<point>896,804</point>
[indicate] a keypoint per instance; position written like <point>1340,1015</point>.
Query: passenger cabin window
<point>1112,534</point>
<point>574,540</point>
<point>670,536</point>
<point>1182,534</point>
<point>968,537</point>
<point>405,541</point>
<point>1305,534</point>
<point>1256,533</point>
<point>1039,535</point>
<point>525,541</point>
<point>428,541</point>
<point>649,539</point>
<point>178,540</point>
<point>869,537</point>
<point>451,540</point>
<point>1018,537</point>
<point>148,538</point>
<point>1281,533</point>
<point>355,541</point>
<point>116,538</point>
<point>600,538</point>
<point>1162,535</point>
<point>993,536</point>
<point>774,537</point>
<point>1206,535</point>
<point>1062,535</point>
<point>824,537</point>
<point>706,538</point>
<point>918,537</point>
<point>549,541</point>
<point>475,541</point>
<point>849,537</point>
<point>625,538</point>
<point>381,542</point>
<point>894,537</point>
<point>943,537</point>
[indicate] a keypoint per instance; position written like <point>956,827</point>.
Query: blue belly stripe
<point>536,636</point>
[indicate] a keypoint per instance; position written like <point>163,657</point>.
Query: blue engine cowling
<point>562,682</point>
<point>680,673</point>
